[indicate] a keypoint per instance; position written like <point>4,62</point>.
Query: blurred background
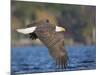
<point>78,20</point>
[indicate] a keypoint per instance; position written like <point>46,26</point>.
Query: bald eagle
<point>52,37</point>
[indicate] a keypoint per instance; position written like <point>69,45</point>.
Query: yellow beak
<point>63,29</point>
<point>60,29</point>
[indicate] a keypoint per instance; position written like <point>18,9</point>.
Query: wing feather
<point>55,43</point>
<point>26,30</point>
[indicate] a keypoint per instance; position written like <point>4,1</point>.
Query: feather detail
<point>26,30</point>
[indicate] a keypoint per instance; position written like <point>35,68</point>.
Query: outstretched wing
<point>58,52</point>
<point>55,43</point>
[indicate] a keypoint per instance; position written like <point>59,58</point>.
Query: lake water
<point>36,59</point>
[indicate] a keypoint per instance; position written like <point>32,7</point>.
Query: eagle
<point>52,37</point>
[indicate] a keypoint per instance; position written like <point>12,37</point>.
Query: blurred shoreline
<point>29,42</point>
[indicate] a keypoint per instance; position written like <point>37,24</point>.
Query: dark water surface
<point>35,59</point>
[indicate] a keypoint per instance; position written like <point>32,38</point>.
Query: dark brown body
<point>54,41</point>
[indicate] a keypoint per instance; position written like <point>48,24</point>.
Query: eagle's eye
<point>47,21</point>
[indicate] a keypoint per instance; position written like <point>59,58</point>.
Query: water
<point>36,59</point>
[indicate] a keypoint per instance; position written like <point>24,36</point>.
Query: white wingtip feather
<point>26,30</point>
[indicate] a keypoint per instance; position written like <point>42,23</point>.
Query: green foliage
<point>80,18</point>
